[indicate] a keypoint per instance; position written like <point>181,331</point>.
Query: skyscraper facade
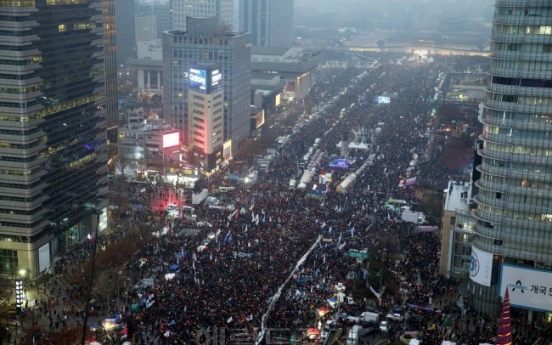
<point>110,49</point>
<point>514,199</point>
<point>201,43</point>
<point>270,22</point>
<point>223,10</point>
<point>53,154</point>
<point>126,42</point>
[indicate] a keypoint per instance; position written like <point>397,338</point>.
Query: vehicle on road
<point>384,326</point>
<point>395,317</point>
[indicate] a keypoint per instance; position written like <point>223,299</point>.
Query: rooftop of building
<point>152,126</point>
<point>279,51</point>
<point>457,196</point>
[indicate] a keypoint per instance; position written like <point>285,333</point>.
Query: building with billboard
<point>54,156</point>
<point>270,22</point>
<point>150,146</point>
<point>205,116</point>
<point>513,215</point>
<point>201,44</point>
<point>222,10</point>
<point>292,65</point>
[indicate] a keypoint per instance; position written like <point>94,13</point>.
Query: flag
<point>351,222</point>
<point>264,219</point>
<point>249,317</point>
<point>242,211</point>
<point>246,227</point>
<point>232,215</point>
<point>339,240</point>
<point>323,225</point>
<point>330,230</point>
<point>230,319</point>
<point>353,231</point>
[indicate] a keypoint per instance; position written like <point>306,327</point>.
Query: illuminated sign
<point>171,139</point>
<point>216,79</point>
<point>205,79</point>
<point>198,79</point>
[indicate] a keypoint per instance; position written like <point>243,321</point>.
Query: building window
<point>8,261</point>
<point>452,220</point>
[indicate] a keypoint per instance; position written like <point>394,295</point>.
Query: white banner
<point>44,257</point>
<point>529,288</point>
<point>481,267</point>
<point>102,225</point>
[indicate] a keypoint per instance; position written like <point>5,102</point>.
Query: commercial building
<point>456,231</point>
<point>150,146</point>
<point>512,243</point>
<point>125,18</point>
<point>202,43</point>
<point>148,66</point>
<point>293,65</point>
<point>53,127</point>
<point>146,28</point>
<point>206,116</point>
<point>222,10</point>
<point>111,87</point>
<point>269,21</point>
<point>161,10</point>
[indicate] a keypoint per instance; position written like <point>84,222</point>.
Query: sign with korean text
<point>481,266</point>
<point>528,287</point>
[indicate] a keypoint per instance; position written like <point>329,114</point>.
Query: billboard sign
<point>198,79</point>
<point>171,139</point>
<point>528,287</point>
<point>481,266</point>
<point>339,163</point>
<point>383,99</point>
<point>216,80</point>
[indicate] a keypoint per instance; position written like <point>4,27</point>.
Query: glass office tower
<point>53,170</point>
<point>514,206</point>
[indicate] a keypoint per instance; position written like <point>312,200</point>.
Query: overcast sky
<point>368,12</point>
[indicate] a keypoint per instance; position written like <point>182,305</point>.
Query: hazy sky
<point>368,13</point>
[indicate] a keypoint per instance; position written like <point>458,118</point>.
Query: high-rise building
<point>146,28</point>
<point>206,115</point>
<point>125,15</point>
<point>161,10</point>
<point>202,43</point>
<point>512,246</point>
<point>53,128</point>
<point>110,49</point>
<point>269,21</point>
<point>223,10</point>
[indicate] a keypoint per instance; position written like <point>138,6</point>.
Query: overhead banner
<point>481,267</point>
<point>528,288</point>
<point>44,257</point>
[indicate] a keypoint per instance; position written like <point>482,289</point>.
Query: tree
<point>456,155</point>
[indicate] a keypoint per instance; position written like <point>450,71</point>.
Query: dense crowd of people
<point>277,256</point>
